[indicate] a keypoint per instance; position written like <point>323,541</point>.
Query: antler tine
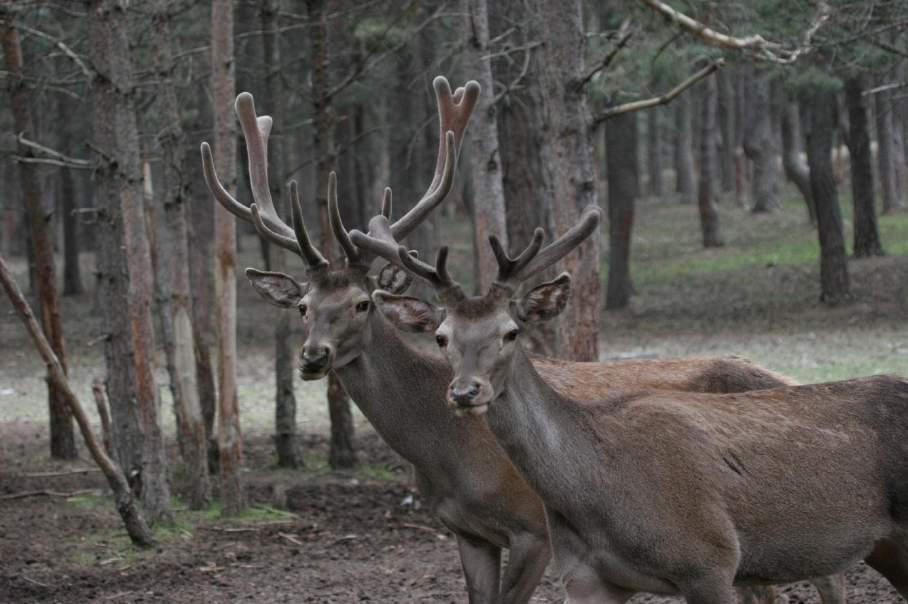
<point>508,266</point>
<point>217,189</point>
<point>386,203</point>
<point>561,247</point>
<point>309,252</point>
<point>454,111</point>
<point>448,290</point>
<point>337,223</point>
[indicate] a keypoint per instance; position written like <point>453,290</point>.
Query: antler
<point>448,290</point>
<point>383,238</point>
<point>513,271</point>
<point>262,212</point>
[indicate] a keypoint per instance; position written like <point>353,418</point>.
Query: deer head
<point>333,298</point>
<point>480,334</point>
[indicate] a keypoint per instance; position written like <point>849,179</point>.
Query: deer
<point>671,492</point>
<point>460,470</point>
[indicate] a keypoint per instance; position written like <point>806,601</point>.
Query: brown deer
<point>460,469</point>
<point>673,492</point>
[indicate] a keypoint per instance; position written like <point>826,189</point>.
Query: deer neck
<point>401,391</point>
<point>546,435</point>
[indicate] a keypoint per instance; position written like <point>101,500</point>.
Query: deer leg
<point>758,594</point>
<point>526,565</point>
<point>714,588</point>
<point>890,559</point>
<point>831,588</point>
<point>585,587</point>
<point>481,562</point>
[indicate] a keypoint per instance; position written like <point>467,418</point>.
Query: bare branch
<point>63,160</point>
<point>757,44</point>
<point>624,35</point>
<point>659,100</point>
<point>885,88</point>
<point>86,70</point>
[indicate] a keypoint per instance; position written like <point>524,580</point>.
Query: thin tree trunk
<point>866,233</point>
<point>286,441</point>
<point>886,152</point>
<point>620,153</point>
<point>223,85</point>
<point>72,274</point>
<point>128,292</point>
<point>819,121</point>
<point>654,152</point>
<point>567,161</point>
<point>726,114</point>
<point>760,148</point>
<point>173,271</point>
<point>795,168</point>
<point>341,453</point>
<point>685,177</point>
<point>743,80</point>
<point>129,511</point>
<point>706,193</point>
<point>62,436</point>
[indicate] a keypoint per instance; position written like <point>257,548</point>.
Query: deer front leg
<point>529,555</point>
<point>481,562</point>
<point>831,588</point>
<point>713,588</point>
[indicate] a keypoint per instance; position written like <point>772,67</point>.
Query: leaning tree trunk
<point>341,453</point>
<point>726,116</point>
<point>621,159</point>
<point>706,192</point>
<point>795,168</point>
<point>866,232</point>
<point>653,153</point>
<point>760,147</point>
<point>173,269</point>
<point>62,435</point>
<point>685,176</point>
<point>223,85</point>
<point>126,261</point>
<point>819,122</point>
<point>484,157</point>
<point>286,441</point>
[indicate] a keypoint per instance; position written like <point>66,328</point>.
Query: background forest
<point>751,159</point>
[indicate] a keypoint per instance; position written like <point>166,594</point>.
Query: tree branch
<point>55,157</point>
<point>760,46</point>
<point>86,70</point>
<point>624,35</point>
<point>659,100</point>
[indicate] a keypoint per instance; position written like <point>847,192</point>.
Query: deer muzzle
<point>315,361</point>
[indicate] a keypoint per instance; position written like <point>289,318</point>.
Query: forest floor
<point>321,536</point>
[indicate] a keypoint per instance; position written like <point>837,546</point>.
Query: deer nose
<point>464,393</point>
<point>315,357</point>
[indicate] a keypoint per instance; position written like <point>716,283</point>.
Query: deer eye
<point>362,306</point>
<point>303,308</point>
<point>441,340</point>
<point>511,335</point>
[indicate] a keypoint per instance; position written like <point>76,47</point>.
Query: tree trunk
<point>126,270</point>
<point>819,121</point>
<point>743,80</point>
<point>173,270</point>
<point>483,154</point>
<point>706,192</point>
<point>286,440</point>
<point>72,274</point>
<point>654,153</point>
<point>341,453</point>
<point>886,152</point>
<point>866,233</point>
<point>760,147</point>
<point>567,161</point>
<point>223,85</point>
<point>726,115</point>
<point>62,435</point>
<point>685,176</point>
<point>795,168</point>
<point>620,154</point>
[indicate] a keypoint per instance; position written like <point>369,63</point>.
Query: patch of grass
<point>377,472</point>
<point>252,514</point>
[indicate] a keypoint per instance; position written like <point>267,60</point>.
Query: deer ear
<point>393,279</point>
<point>408,313</point>
<point>543,302</point>
<point>279,289</point>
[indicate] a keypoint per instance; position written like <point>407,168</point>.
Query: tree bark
<point>654,153</point>
<point>126,270</point>
<point>72,273</point>
<point>706,192</point>
<point>223,85</point>
<point>759,147</point>
<point>173,269</point>
<point>341,453</point>
<point>567,161</point>
<point>866,233</point>
<point>819,121</point>
<point>484,155</point>
<point>62,436</point>
<point>685,177</point>
<point>286,441</point>
<point>726,116</point>
<point>620,154</point>
<point>129,511</point>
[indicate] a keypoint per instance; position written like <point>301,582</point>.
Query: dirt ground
<point>318,536</point>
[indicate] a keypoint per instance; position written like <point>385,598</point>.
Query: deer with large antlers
<point>460,469</point>
<point>673,492</point>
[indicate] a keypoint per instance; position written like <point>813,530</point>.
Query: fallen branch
<point>100,394</point>
<point>427,529</point>
<point>56,474</point>
<point>291,539</point>
<point>659,100</point>
<point>44,493</point>
<point>126,504</point>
